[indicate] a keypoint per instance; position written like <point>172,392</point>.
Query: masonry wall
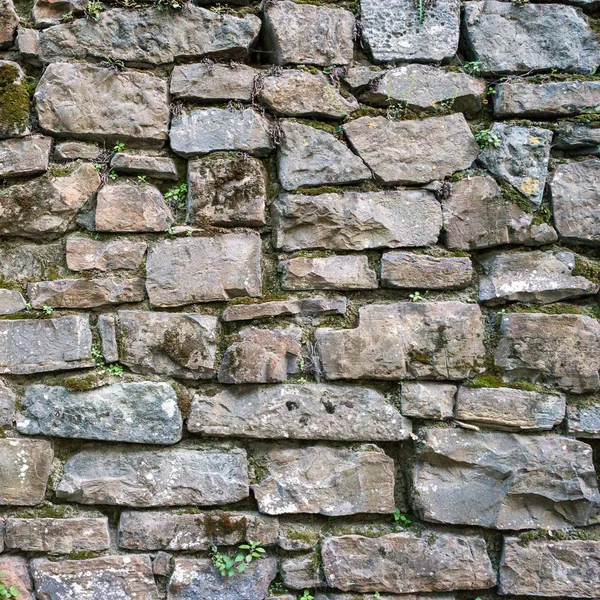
<point>320,277</point>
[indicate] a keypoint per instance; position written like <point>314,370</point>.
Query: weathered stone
<point>577,139</point>
<point>195,578</point>
<point>583,421</point>
<point>426,400</point>
<point>11,302</point>
<point>168,477</point>
<point>394,31</point>
<point>505,408</point>
<point>204,269</point>
<point>309,412</point>
<point>304,307</point>
<point>22,262</point>
<point>125,577</point>
<point>14,97</point>
<point>538,38</point>
<point>46,206</point>
<point>85,293</point>
<point>20,157</point>
<point>93,103</point>
<point>575,201</point>
<point>16,573</point>
<point>84,254</point>
<point>324,480</point>
<point>408,270</point>
<point>301,572</point>
<point>313,157</point>
<point>151,36</point>
<point>175,344</point>
<point>413,151</point>
<point>24,470</point>
<point>477,216</point>
<point>35,346</point>
<point>261,356</point>
<point>420,340</point>
<point>46,13</point>
<point>358,77</point>
<point>161,564</point>
<point>505,480</point>
<point>8,23</point>
<point>297,534</point>
<point>550,568</point>
<point>159,167</point>
<point>519,158</point>
<point>107,329</point>
<point>8,401</point>
<point>294,93</point>
<point>401,563</point>
<point>560,349</point>
<point>161,530</point>
<point>308,34</point>
<point>139,412</point>
<point>401,218</point>
<point>57,536</point>
<point>226,190</point>
<point>205,130</point>
<point>128,206</point>
<point>213,82</point>
<point>65,151</point>
<point>422,87</point>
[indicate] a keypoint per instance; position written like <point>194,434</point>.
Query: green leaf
<point>241,568</point>
<point>244,547</point>
<point>239,558</point>
<point>261,550</point>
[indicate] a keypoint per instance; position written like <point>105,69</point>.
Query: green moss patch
<point>14,102</point>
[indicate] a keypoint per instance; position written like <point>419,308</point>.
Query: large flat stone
<point>159,167</point>
<point>303,412</point>
<point>413,151</point>
<point>22,262</point>
<point>402,218</point>
<point>85,254</point>
<point>505,480</point>
<point>140,412</point>
<point>305,307</point>
<point>21,157</point>
<point>401,563</point>
<point>583,421</point>
<point>8,23</point>
<point>126,476</point>
<point>85,102</point>
<point>204,269</point>
<point>406,340</point>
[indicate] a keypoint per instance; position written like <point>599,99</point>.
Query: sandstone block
<point>8,23</point>
<point>159,167</point>
<point>11,302</point>
<point>14,97</point>
<point>107,329</point>
<point>66,151</point>
<point>305,307</point>
<point>584,421</point>
<point>21,157</point>
<point>302,571</point>
<point>427,400</point>
<point>22,262</point>
<point>85,254</point>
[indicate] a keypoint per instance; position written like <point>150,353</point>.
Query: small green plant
<point>189,233</point>
<point>401,519</point>
<point>119,147</point>
<point>97,354</point>
<point>277,588</point>
<point>113,175</point>
<point>115,369</point>
<point>171,231</point>
<point>5,593</point>
<point>93,9</point>
<point>223,564</point>
<point>47,310</point>
<point>415,297</point>
<point>177,195</point>
<point>67,17</point>
<point>376,595</point>
<point>141,178</point>
<point>472,67</point>
<point>306,596</point>
<point>487,139</point>
<point>228,566</point>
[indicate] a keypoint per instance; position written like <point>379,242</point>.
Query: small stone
<point>11,302</point>
<point>578,139</point>
<point>213,82</point>
<point>175,344</point>
<point>328,273</point>
<point>66,151</point>
<point>26,262</point>
<point>8,400</point>
<point>141,412</point>
<point>118,475</point>
<point>394,31</point>
<point>358,77</point>
<point>505,408</point>
<point>46,13</point>
<point>85,293</point>
<point>426,400</point>
<point>401,218</point>
<point>28,45</point>
<point>158,167</point>
<point>84,254</point>
<point>24,470</point>
<point>21,157</point>
<point>305,412</point>
<point>226,191</point>
<point>57,536</point>
<point>583,421</point>
<point>305,307</point>
<point>308,34</point>
<point>204,130</point>
<point>107,329</point>
<point>204,269</point>
<point>262,356</point>
<point>295,93</point>
<point>324,480</point>
<point>161,564</point>
<point>312,157</point>
<point>131,207</point>
<point>298,535</point>
<point>9,22</point>
<point>14,97</point>
<point>302,572</point>
<point>413,151</point>
<point>408,270</point>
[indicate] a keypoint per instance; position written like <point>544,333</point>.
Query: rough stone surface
<point>584,421</point>
<point>142,413</point>
<point>22,262</point>
<point>8,401</point>
<point>505,480</point>
<point>46,13</point>
<point>426,400</point>
<point>302,571</point>
<point>578,139</point>
<point>402,218</point>
<point>406,340</point>
<point>308,34</point>
<point>226,190</point>
<point>8,23</point>
<point>20,157</point>
<point>159,167</point>
<point>350,272</point>
<point>204,269</point>
<point>505,408</point>
<point>180,476</point>
<point>413,151</point>
<point>309,412</point>
<point>14,97</point>
<point>402,563</point>
<point>11,302</point>
<point>84,254</point>
<point>66,151</point>
<point>107,330</point>
<point>298,535</point>
<point>305,307</point>
<point>541,37</point>
<point>559,349</point>
<point>392,31</point>
<point>175,344</point>
<point>324,480</point>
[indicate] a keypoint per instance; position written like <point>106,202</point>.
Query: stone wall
<point>321,276</point>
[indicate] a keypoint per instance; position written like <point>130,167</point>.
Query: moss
<point>420,357</point>
<point>62,170</point>
<point>14,101</point>
<point>184,398</point>
<point>593,533</point>
<point>489,380</point>
<point>78,383</point>
<point>585,268</point>
<point>332,129</point>
<point>83,555</point>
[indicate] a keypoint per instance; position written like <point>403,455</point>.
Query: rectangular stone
<point>24,157</point>
<point>284,308</point>
<point>27,262</point>
<point>158,167</point>
<point>583,420</point>
<point>85,254</point>
<point>427,400</point>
